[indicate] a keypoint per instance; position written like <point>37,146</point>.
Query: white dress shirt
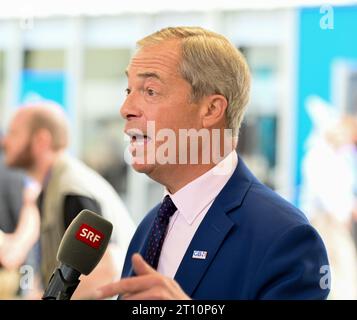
<point>192,202</point>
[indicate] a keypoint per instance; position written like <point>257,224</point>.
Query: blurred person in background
<point>19,225</point>
<point>327,194</point>
<point>16,245</point>
<point>21,247</point>
<point>11,189</point>
<point>36,142</point>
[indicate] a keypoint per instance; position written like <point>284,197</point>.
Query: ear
<point>214,111</point>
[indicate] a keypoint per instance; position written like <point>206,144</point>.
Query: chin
<point>143,167</point>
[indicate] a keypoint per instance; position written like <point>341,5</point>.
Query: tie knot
<point>167,208</point>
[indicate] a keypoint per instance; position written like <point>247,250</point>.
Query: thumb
<point>140,266</point>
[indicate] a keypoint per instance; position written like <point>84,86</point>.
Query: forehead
<point>162,59</point>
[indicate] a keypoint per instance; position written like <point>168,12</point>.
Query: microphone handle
<point>64,281</point>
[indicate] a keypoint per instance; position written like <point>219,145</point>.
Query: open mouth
<point>138,138</point>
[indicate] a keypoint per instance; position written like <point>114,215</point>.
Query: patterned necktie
<point>158,231</point>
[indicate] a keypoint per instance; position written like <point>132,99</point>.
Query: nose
<point>130,108</point>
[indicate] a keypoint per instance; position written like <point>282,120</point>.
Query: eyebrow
<point>146,75</point>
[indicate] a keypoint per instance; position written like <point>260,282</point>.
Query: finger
<point>127,286</point>
<point>150,294</point>
<point>140,266</point>
<point>109,290</point>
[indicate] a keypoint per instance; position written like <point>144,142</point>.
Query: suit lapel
<point>213,229</point>
<point>144,239</point>
<point>208,237</point>
<point>211,232</point>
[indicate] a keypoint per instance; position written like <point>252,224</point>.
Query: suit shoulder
<point>267,213</point>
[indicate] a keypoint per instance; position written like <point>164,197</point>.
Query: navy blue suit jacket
<point>258,247</point>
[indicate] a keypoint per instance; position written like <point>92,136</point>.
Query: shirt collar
<point>194,197</point>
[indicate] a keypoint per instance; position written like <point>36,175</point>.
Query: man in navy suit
<point>218,233</point>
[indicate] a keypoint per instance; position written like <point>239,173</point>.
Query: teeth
<point>139,139</point>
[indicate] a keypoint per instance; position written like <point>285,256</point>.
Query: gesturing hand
<point>147,285</point>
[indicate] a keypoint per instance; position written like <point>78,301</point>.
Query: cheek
<point>187,118</point>
<point>174,112</point>
<point>176,117</point>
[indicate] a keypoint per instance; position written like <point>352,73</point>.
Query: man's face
<point>157,93</point>
<point>18,144</point>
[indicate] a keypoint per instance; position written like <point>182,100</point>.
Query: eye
<point>151,92</point>
<point>127,91</point>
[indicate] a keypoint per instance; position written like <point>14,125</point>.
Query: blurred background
<point>303,60</point>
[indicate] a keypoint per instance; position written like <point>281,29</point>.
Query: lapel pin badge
<point>197,254</point>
